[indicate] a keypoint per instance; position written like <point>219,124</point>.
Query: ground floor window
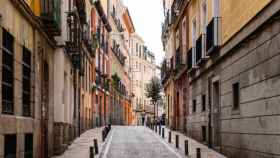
<point>28,146</point>
<point>203,133</point>
<point>10,146</point>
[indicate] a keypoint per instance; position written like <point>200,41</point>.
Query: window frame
<point>203,102</point>
<point>28,146</point>
<point>236,96</point>
<point>194,106</point>
<point>26,80</point>
<point>12,151</point>
<point>7,86</point>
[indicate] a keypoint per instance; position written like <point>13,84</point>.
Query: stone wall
<point>255,65</point>
<point>253,129</point>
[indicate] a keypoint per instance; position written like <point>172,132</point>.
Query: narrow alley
<point>140,79</point>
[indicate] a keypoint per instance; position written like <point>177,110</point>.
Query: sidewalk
<point>193,144</point>
<point>80,147</point>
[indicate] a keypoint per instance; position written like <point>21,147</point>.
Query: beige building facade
<point>143,69</point>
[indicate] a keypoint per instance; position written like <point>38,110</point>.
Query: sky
<point>147,16</point>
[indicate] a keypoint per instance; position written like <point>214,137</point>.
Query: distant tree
<point>153,90</point>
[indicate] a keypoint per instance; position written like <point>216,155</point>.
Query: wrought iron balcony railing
<point>117,22</point>
<point>179,59</point>
<point>74,30</point>
<point>117,51</point>
<point>51,16</point>
<point>81,8</point>
<point>176,9</point>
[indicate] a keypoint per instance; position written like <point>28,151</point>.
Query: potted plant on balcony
<point>94,44</point>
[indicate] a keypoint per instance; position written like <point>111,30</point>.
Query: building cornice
<point>32,19</point>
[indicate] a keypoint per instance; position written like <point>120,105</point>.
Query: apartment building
<point>46,74</point>
<point>27,65</point>
<point>232,78</point>
<point>101,29</point>
<point>143,69</point>
<point>120,62</point>
<point>174,67</point>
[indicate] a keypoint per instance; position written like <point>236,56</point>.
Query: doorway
<point>45,110</point>
<point>214,113</point>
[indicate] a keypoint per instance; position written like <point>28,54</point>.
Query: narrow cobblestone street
<point>136,142</point>
<point>140,79</point>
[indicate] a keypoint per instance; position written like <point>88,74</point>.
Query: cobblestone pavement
<point>193,145</point>
<point>136,142</point>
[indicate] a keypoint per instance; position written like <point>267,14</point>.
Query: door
<point>177,116</point>
<point>185,95</point>
<point>215,114</point>
<point>45,110</point>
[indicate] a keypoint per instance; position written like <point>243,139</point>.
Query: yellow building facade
<point>230,60</point>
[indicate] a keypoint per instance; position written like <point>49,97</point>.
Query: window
<point>28,146</point>
<point>7,73</point>
<point>236,96</point>
<point>204,17</point>
<point>193,40</point>
<point>212,37</point>
<point>26,82</point>
<point>184,35</point>
<point>10,146</point>
<point>203,102</point>
<point>96,99</point>
<point>203,129</point>
<point>136,47</point>
<point>65,89</point>
<point>194,106</point>
<point>194,32</point>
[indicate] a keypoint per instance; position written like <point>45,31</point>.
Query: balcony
<point>74,30</point>
<point>98,81</point>
<point>178,60</point>
<point>176,9</point>
<point>117,22</point>
<point>212,36</point>
<point>165,71</point>
<point>50,15</point>
<point>75,35</point>
<point>102,14</point>
<point>117,51</point>
<point>81,8</point>
<point>191,59</point>
<point>88,39</point>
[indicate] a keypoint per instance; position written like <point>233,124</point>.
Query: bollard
<point>103,135</point>
<point>177,141</point>
<point>162,133</point>
<point>156,128</point>
<point>198,153</point>
<point>159,130</point>
<point>186,148</point>
<point>91,154</point>
<point>95,146</point>
<point>169,137</point>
